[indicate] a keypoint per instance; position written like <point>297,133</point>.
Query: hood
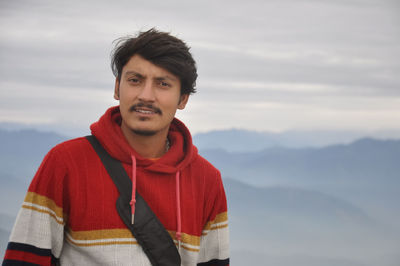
<point>181,152</point>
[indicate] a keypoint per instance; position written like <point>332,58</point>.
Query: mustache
<point>145,105</point>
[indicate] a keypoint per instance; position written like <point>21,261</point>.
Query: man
<point>69,215</point>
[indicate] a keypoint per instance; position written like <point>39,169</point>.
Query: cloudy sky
<point>269,65</point>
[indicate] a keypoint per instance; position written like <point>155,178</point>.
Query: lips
<point>146,109</point>
<point>149,112</point>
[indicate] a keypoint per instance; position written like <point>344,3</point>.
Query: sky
<point>265,65</point>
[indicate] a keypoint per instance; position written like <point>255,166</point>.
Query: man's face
<point>149,97</point>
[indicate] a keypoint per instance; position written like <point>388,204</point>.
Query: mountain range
<point>240,140</point>
<point>331,205</point>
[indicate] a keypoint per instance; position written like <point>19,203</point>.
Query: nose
<point>147,92</point>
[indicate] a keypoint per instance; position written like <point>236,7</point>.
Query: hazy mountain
<point>27,142</point>
<point>366,161</point>
<point>12,192</point>
<point>292,201</point>
<point>22,151</point>
<point>292,226</point>
<point>237,140</point>
<point>6,223</point>
<point>3,242</point>
<point>334,205</point>
<point>58,128</point>
<point>365,172</point>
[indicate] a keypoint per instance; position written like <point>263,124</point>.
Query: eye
<point>134,80</point>
<point>165,84</point>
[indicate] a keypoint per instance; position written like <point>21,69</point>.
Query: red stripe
<point>27,257</point>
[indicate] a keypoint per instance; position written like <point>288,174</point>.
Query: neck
<point>147,146</point>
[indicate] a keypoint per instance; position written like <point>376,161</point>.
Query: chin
<point>144,132</point>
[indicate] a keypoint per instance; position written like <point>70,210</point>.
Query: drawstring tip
<point>178,236</point>
<point>132,203</point>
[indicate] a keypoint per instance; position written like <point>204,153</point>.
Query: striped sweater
<point>69,215</point>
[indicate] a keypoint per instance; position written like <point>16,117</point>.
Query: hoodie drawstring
<point>178,209</point>
<point>133,199</point>
<point>178,234</point>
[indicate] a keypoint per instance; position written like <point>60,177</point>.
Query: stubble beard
<point>146,133</point>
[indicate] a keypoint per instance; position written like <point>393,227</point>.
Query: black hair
<point>161,49</point>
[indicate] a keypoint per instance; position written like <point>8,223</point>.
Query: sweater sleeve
<point>214,242</point>
<point>37,235</point>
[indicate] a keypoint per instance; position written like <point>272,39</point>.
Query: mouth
<point>145,109</point>
<point>146,112</point>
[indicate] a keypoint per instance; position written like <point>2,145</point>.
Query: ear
<point>116,89</point>
<point>183,101</point>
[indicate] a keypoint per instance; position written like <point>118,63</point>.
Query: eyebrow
<point>156,78</point>
<point>133,73</point>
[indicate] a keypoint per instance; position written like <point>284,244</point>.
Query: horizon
<point>55,128</point>
<point>252,141</point>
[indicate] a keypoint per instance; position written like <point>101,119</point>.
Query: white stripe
<point>187,245</point>
<point>38,229</point>
<point>40,207</point>
<point>214,245</point>
<point>218,224</point>
<point>215,226</point>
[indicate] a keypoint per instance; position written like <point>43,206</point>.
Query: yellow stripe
<point>191,249</point>
<point>214,228</point>
<point>116,242</point>
<point>100,234</point>
<point>219,226</point>
<point>186,238</point>
<point>222,217</point>
<point>43,211</point>
<point>43,201</point>
<point>124,233</point>
<point>120,233</point>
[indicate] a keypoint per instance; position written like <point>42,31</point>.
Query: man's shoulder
<point>72,147</point>
<point>203,163</point>
<point>72,144</point>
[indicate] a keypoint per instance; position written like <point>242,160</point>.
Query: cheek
<point>169,99</point>
<point>172,105</point>
<point>125,102</point>
<point>126,95</point>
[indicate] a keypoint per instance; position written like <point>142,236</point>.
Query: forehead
<point>139,65</point>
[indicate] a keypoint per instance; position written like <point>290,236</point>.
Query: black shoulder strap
<point>147,229</point>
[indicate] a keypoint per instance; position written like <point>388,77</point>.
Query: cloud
<point>285,62</point>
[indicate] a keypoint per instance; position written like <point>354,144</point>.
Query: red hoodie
<point>69,212</point>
